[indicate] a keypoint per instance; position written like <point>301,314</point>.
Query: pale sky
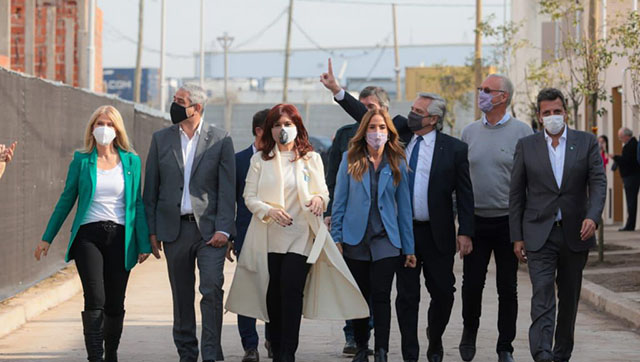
<point>328,23</point>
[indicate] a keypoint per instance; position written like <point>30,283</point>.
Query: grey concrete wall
<point>48,121</point>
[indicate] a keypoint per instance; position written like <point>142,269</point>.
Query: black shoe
<point>112,333</point>
<point>350,348</point>
<point>381,355</point>
<point>92,324</point>
<point>362,355</point>
<point>410,360</point>
<point>267,346</point>
<point>468,344</point>
<point>251,355</point>
<point>435,353</point>
<point>505,356</point>
<point>626,229</point>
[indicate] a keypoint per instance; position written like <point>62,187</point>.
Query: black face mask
<point>178,113</point>
<point>414,122</point>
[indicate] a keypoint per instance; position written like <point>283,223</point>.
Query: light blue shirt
<point>504,120</point>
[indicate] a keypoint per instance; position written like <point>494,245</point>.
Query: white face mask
<point>288,134</point>
<point>553,124</point>
<point>104,135</point>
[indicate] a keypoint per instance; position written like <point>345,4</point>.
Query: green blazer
<point>81,184</point>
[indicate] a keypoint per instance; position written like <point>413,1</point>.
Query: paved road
<point>56,335</point>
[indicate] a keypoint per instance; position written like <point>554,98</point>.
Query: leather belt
<point>557,223</point>
<point>188,217</point>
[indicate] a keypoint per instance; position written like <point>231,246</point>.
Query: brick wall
<point>65,11</point>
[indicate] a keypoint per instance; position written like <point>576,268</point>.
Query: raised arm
<point>351,105</point>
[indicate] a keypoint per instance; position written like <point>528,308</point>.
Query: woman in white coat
<point>289,263</point>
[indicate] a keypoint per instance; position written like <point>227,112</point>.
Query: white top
<point>556,156</point>
<point>188,154</point>
<point>297,237</point>
<point>108,199</point>
<point>423,170</point>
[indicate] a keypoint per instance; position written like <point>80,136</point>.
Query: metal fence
<point>48,121</point>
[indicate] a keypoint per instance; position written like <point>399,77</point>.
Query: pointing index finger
<point>330,67</point>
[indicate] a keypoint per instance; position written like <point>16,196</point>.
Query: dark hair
<point>551,94</point>
<point>606,142</point>
<point>258,120</point>
<point>378,92</point>
<point>302,145</point>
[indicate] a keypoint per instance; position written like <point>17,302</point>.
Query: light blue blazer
<point>352,201</point>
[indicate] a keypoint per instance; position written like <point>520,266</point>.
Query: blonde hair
<point>121,141</point>
<point>357,153</point>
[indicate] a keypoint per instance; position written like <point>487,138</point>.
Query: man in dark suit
<point>630,173</point>
<point>440,168</point>
<point>189,198</point>
<point>247,325</point>
<point>556,200</point>
<point>373,98</point>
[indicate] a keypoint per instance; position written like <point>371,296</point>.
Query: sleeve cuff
<point>224,233</point>
<point>339,96</point>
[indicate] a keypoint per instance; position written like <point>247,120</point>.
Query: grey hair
<point>197,94</point>
<point>626,131</point>
<point>378,92</point>
<point>505,85</point>
<point>437,107</point>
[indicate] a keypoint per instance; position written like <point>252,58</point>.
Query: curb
<point>58,288</point>
<point>607,301</point>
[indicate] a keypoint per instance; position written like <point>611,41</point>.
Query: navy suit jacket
<point>449,174</point>
<point>243,215</point>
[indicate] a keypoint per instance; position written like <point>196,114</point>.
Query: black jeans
<point>631,186</point>
<point>98,250</point>
<point>492,236</point>
<point>287,278</point>
<point>440,281</point>
<point>374,279</point>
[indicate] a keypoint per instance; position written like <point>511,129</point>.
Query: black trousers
<point>287,278</point>
<point>98,250</point>
<point>374,279</point>
<point>492,236</point>
<point>631,187</point>
<point>554,263</point>
<point>437,268</point>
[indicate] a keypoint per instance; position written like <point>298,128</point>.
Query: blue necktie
<point>413,163</point>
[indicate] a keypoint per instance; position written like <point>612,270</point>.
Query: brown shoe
<point>251,355</point>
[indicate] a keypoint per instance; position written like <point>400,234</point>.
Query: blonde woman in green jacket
<point>109,234</point>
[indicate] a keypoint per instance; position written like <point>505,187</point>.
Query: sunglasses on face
<point>489,90</point>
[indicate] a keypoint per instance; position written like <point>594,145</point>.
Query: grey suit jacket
<point>535,197</point>
<point>212,183</point>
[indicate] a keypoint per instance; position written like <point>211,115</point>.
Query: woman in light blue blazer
<point>372,221</point>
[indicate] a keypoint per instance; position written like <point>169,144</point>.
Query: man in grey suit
<point>189,197</point>
<point>555,202</point>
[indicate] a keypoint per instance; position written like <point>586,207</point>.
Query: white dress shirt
<point>556,156</point>
<point>504,120</point>
<point>422,172</point>
<point>188,154</point>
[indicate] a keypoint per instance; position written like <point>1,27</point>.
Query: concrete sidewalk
<point>56,335</point>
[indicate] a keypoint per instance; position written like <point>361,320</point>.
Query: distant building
<point>48,39</point>
<point>120,81</point>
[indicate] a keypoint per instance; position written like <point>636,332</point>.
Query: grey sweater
<point>491,152</point>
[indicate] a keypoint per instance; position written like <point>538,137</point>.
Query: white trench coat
<point>331,292</point>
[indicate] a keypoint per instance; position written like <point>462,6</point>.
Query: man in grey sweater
<point>492,142</point>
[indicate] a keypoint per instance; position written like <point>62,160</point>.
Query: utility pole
<point>138,74</point>
<point>91,48</point>
<point>478,55</point>
<point>396,53</point>
<point>202,43</point>
<point>287,54</point>
<point>226,41</point>
<point>163,21</point>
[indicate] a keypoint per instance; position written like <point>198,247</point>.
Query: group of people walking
<point>328,245</point>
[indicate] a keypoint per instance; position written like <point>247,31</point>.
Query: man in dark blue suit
<point>246,325</point>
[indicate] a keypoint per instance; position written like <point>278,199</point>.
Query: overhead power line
<point>415,4</point>
<point>261,32</point>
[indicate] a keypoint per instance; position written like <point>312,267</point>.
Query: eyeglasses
<point>489,90</point>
